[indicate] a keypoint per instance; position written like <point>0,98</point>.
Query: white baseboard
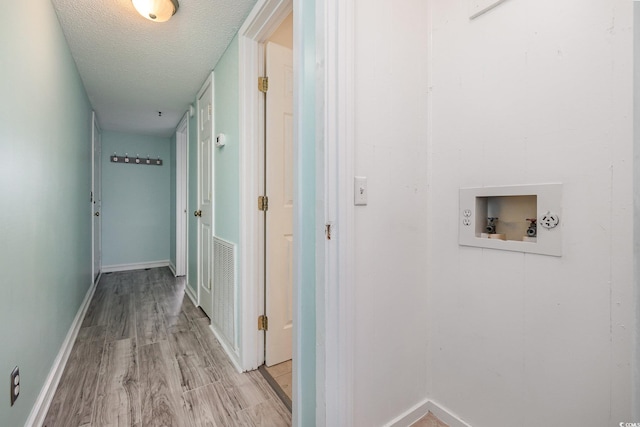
<point>134,266</point>
<point>191,294</point>
<point>173,269</point>
<point>233,356</point>
<point>423,408</point>
<point>41,407</point>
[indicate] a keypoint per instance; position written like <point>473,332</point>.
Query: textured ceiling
<point>133,68</point>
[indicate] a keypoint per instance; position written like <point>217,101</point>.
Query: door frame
<point>95,132</point>
<point>335,171</point>
<point>265,17</point>
<point>208,82</point>
<point>333,80</point>
<point>182,195</point>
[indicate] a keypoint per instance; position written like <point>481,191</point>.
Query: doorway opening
<point>278,217</point>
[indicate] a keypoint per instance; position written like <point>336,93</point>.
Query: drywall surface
<point>45,185</point>
<point>391,231</point>
<point>528,93</point>
<point>227,158</point>
<point>135,200</point>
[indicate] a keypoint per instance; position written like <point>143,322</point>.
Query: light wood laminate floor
<point>145,356</point>
<point>429,420</point>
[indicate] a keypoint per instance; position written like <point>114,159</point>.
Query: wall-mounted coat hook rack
<point>136,160</point>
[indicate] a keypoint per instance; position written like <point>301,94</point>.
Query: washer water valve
<point>491,225</point>
<point>532,231</point>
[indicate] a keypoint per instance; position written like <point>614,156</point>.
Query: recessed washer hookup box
<point>521,218</point>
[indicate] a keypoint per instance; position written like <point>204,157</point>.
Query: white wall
<point>391,232</point>
<point>533,92</point>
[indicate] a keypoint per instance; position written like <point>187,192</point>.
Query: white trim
<point>191,294</point>
<point>261,22</point>
<point>423,408</point>
<point>172,268</point>
<point>335,41</point>
<point>41,407</point>
<point>135,266</point>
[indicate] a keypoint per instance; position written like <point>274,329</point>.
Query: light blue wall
<point>192,236</point>
<point>305,194</point>
<point>227,158</point>
<point>45,184</point>
<point>135,201</point>
<point>172,200</point>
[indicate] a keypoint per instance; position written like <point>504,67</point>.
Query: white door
<point>279,189</point>
<point>181,196</point>
<point>96,200</point>
<point>205,196</point>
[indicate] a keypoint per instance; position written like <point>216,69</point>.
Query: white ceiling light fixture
<point>156,10</point>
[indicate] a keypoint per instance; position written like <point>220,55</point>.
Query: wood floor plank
<point>92,333</point>
<point>270,413</point>
<point>122,322</point>
<point>429,420</point>
<point>161,392</point>
<point>191,310</point>
<point>73,402</point>
<point>211,406</point>
<point>158,274</point>
<point>179,323</point>
<point>211,346</point>
<point>194,365</point>
<point>98,311</point>
<point>117,397</point>
<point>150,325</point>
<point>248,388</point>
<point>171,302</point>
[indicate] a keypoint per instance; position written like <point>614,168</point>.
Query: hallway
<point>145,356</point>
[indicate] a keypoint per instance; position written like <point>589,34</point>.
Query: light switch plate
<point>360,192</point>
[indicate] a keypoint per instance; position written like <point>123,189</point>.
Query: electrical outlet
<point>15,385</point>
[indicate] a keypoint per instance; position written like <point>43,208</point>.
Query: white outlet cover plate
<point>549,199</point>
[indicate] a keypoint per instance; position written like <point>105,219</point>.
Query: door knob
<point>97,214</point>
<point>197,213</point>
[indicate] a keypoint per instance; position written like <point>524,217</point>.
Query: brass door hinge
<point>263,84</point>
<point>263,203</point>
<point>263,323</point>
